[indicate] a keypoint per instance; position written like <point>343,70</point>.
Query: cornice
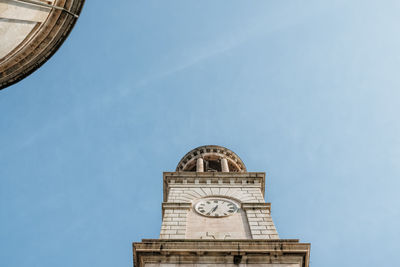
<point>212,179</point>
<point>221,251</point>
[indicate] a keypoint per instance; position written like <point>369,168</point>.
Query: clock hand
<point>215,208</point>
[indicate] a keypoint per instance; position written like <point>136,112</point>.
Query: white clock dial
<point>215,207</point>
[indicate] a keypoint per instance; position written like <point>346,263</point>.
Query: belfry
<point>214,214</point>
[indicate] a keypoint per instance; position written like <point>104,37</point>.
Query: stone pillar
<point>224,165</point>
<point>174,220</point>
<point>260,221</point>
<point>199,165</point>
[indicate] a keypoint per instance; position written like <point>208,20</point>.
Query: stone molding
<point>229,252</point>
<point>212,179</point>
<point>261,206</point>
<point>191,194</point>
<point>173,205</point>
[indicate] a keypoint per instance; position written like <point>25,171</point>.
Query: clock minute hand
<point>214,209</point>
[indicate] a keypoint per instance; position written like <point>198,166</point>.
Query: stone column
<point>224,165</point>
<point>174,220</point>
<point>260,221</point>
<point>200,165</point>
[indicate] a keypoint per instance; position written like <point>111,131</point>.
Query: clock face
<point>216,207</point>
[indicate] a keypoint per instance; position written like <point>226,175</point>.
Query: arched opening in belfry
<point>212,166</point>
<point>209,165</point>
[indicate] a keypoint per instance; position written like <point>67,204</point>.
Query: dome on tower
<point>211,159</point>
<point>31,31</point>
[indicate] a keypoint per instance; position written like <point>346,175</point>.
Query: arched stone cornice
<point>211,152</point>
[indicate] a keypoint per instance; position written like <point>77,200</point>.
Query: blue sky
<point>307,91</point>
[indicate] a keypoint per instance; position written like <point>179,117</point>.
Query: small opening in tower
<point>213,166</point>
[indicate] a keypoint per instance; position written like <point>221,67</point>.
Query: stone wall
<point>183,190</point>
<point>231,227</point>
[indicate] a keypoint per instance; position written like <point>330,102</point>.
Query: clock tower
<point>214,215</point>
